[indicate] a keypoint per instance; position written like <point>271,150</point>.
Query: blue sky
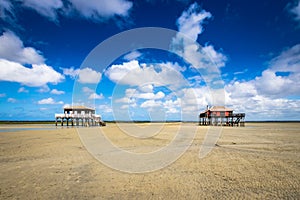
<point>250,49</point>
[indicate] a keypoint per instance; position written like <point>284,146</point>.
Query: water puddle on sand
<point>14,128</point>
<point>32,127</point>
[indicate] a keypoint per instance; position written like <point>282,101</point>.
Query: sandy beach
<point>258,161</point>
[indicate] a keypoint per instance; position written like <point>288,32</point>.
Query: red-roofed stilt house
<point>222,116</point>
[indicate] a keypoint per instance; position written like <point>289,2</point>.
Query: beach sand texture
<point>260,160</point>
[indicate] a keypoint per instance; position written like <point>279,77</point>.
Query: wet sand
<point>261,160</point>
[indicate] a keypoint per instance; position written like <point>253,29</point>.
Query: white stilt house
<point>79,115</point>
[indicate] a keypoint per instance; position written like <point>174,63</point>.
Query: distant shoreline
<point>52,122</point>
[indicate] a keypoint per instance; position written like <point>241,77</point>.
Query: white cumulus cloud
<point>6,10</point>
<point>84,75</point>
<point>97,9</point>
<point>266,96</point>
<point>58,92</point>
<point>49,101</point>
<point>46,8</point>
<point>13,57</point>
<point>96,96</point>
<point>269,84</point>
<point>190,26</point>
<point>134,74</point>
<point>157,102</point>
<point>11,100</point>
<point>282,77</point>
<point>149,95</point>
<point>127,100</point>
<point>213,57</point>
<point>105,108</point>
<point>43,89</point>
<point>88,75</point>
<point>146,88</point>
<point>241,89</point>
<point>295,11</point>
<point>12,49</point>
<point>87,90</point>
<point>172,106</point>
<point>258,106</point>
<point>132,55</point>
<point>71,72</point>
<point>190,22</point>
<point>36,76</point>
<point>151,104</point>
<point>22,90</point>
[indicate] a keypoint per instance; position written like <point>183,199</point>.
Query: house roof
<point>218,109</point>
<point>78,108</point>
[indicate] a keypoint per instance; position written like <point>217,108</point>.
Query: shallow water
<point>25,127</point>
<point>33,127</point>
